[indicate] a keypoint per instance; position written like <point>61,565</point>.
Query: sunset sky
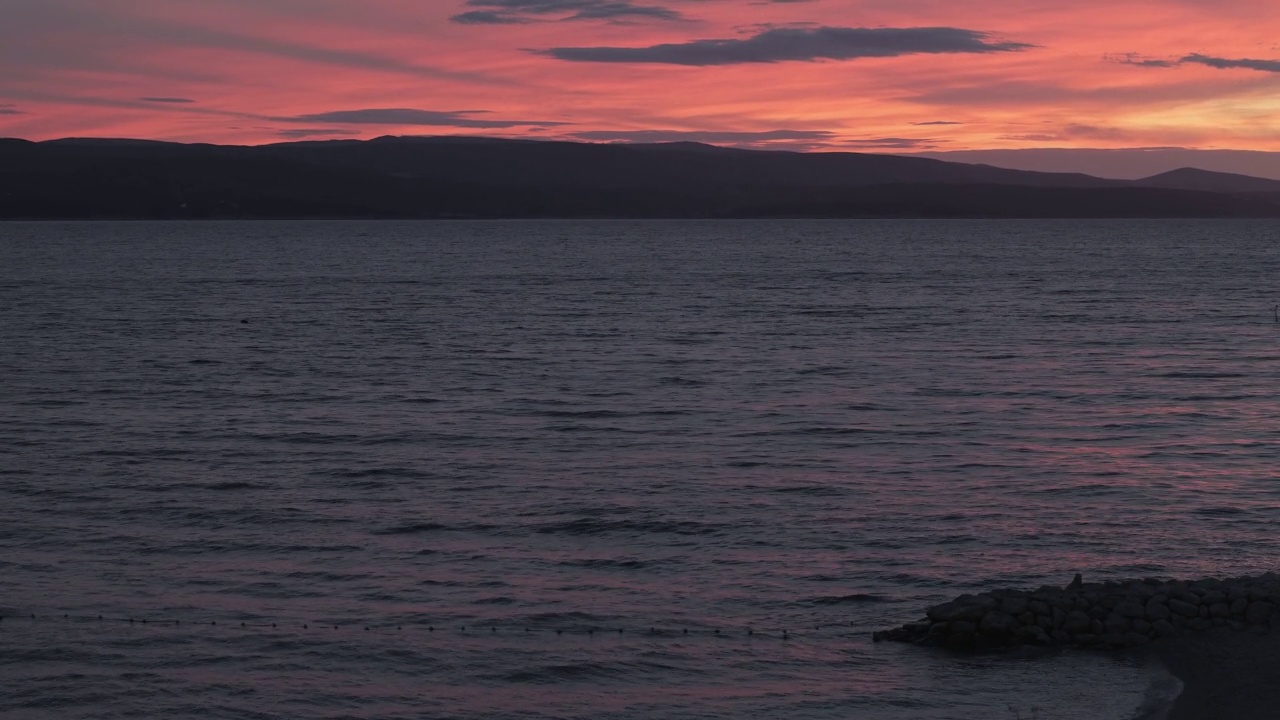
<point>883,75</point>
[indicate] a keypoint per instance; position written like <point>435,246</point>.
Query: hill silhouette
<point>1196,179</point>
<point>491,178</point>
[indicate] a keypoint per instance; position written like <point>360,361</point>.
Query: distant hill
<point>1196,179</point>
<point>1120,163</point>
<point>491,178</point>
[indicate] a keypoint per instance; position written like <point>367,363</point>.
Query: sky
<point>857,75</point>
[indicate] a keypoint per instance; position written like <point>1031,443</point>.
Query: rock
<point>1133,639</point>
<point>1156,610</point>
<point>1183,608</point>
<point>1014,606</point>
<point>1116,624</point>
<point>1032,635</point>
<point>1076,623</point>
<point>965,607</point>
<point>1142,590</point>
<point>997,625</point>
<point>1118,614</point>
<point>1213,597</point>
<point>1258,612</point>
<point>1130,609</point>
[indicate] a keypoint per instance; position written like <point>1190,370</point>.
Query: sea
<point>645,470</point>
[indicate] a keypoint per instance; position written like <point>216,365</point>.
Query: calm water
<point>525,428</point>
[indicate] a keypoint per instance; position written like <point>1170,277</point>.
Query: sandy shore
<point>1226,674</point>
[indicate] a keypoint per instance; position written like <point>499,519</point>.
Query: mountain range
<point>415,177</point>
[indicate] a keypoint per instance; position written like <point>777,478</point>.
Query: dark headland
<point>411,177</point>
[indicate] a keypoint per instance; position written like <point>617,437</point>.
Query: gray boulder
<point>1033,635</point>
<point>1013,606</point>
<point>1076,623</point>
<point>998,625</point>
<point>965,607</point>
<point>1212,597</point>
<point>1116,624</point>
<point>1157,611</point>
<point>1258,612</point>
<point>1130,609</point>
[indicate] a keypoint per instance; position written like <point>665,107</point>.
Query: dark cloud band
<point>411,116</point>
<point>507,12</point>
<point>797,44</point>
<point>712,137</point>
<point>1198,59</point>
<point>1227,63</point>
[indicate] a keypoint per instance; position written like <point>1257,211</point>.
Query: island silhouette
<point>473,177</point>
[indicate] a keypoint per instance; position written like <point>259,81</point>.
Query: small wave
<point>593,526</point>
<point>412,528</point>
<point>607,564</point>
<point>1221,511</point>
<point>234,485</point>
<point>559,673</point>
<point>581,414</point>
<point>681,382</point>
<point>820,490</point>
<point>563,618</point>
<point>1200,375</point>
<point>383,472</point>
<point>847,599</point>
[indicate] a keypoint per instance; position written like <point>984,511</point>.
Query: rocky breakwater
<point>1098,615</point>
